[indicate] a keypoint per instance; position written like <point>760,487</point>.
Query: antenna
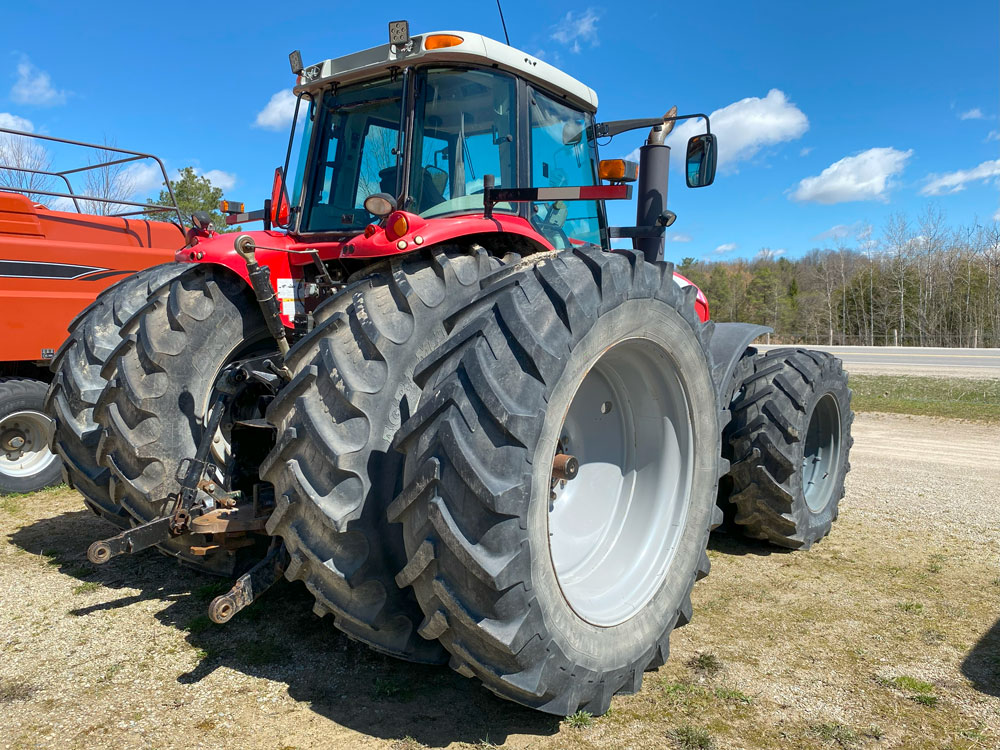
<point>503,23</point>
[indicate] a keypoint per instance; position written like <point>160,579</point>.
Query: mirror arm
<point>617,127</point>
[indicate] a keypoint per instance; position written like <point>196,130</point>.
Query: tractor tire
<point>732,393</point>
<point>333,468</point>
<point>558,595</point>
<point>26,463</point>
<point>790,441</point>
<point>160,387</point>
<point>93,336</point>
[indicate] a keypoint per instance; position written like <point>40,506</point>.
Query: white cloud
<point>838,231</point>
<point>726,248</point>
<point>973,114</point>
<point>145,177</point>
<point>954,182</point>
<point>13,122</point>
<point>66,204</point>
<point>863,177</point>
<point>806,151</point>
<point>744,128</point>
<point>993,135</point>
<point>220,179</point>
<point>679,237</point>
<point>34,87</point>
<point>277,115</point>
<point>574,29</point>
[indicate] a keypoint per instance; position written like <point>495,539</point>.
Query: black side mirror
<point>701,157</point>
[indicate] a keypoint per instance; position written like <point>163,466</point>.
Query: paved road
<point>916,360</point>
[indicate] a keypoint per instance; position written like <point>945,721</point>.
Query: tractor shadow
<point>280,639</point>
<point>731,542</point>
<point>982,664</point>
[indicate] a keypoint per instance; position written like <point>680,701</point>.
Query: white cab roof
<point>474,49</point>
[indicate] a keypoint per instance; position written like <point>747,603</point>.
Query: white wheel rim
<point>24,444</point>
<point>614,529</point>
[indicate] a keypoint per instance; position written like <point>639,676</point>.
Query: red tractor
<point>53,264</point>
<point>431,390</point>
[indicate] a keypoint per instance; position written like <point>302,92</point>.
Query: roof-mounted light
<point>399,32</point>
<point>441,41</point>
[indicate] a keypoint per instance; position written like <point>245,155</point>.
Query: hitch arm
<point>250,586</point>
<point>131,540</point>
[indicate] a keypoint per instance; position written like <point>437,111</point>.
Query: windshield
<point>464,129</point>
<point>356,154</point>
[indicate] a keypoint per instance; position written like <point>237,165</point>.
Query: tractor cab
<point>445,125</point>
<point>421,123</point>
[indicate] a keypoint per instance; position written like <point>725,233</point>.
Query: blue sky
<point>830,115</point>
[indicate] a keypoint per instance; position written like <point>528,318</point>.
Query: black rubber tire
<point>77,384</point>
<point>24,394</point>
<point>160,381</point>
<point>333,468</point>
<point>476,497</point>
<point>732,392</point>
<point>767,439</point>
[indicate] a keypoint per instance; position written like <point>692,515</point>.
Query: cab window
<point>465,128</point>
<point>561,156</point>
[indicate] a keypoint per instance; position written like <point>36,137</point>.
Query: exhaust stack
<point>654,174</point>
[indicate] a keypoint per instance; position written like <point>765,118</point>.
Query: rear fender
<point>272,252</point>
<point>729,342</point>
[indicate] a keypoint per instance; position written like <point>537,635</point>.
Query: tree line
<point>915,283</point>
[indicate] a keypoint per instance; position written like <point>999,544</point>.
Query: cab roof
<point>473,49</point>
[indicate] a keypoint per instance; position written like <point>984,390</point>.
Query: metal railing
<point>131,156</point>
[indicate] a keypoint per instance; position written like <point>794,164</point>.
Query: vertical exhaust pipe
<point>654,174</point>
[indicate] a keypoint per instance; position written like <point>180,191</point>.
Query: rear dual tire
<point>537,618</point>
<point>334,469</point>
<point>161,382</point>
<point>77,384</point>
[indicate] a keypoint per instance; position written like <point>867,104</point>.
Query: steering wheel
<point>552,232</point>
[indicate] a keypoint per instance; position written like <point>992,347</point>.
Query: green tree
<point>193,192</point>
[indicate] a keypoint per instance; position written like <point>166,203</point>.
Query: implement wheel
<point>561,480</point>
<point>26,463</point>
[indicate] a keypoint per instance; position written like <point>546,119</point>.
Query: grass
<point>391,688</point>
<point>958,398</point>
<point>259,653</point>
<point>86,587</point>
<point>835,733</point>
<point>198,624</point>
<point>912,684</point>
<point>688,737</point>
<point>910,607</point>
<point>580,720</point>
<point>16,690</point>
<point>211,590</point>
<point>732,695</point>
<point>705,664</point>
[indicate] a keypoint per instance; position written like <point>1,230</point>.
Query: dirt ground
<point>885,635</point>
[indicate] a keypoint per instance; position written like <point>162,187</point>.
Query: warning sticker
<point>290,295</point>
